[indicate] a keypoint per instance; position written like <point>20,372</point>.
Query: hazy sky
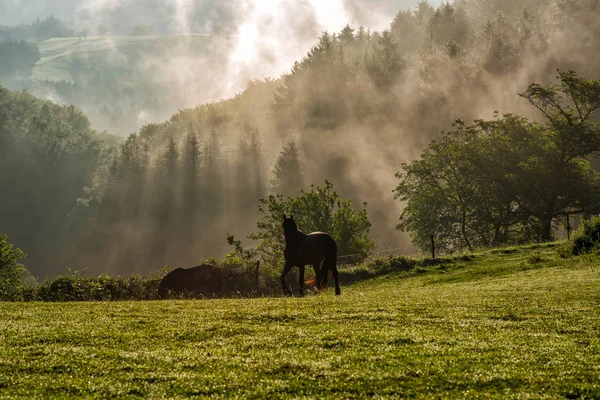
<point>330,14</point>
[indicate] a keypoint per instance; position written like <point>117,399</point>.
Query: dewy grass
<point>495,324</point>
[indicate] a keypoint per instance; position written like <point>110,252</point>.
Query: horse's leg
<point>286,288</point>
<point>301,281</point>
<point>318,272</point>
<point>334,271</point>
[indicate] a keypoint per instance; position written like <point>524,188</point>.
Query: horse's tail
<point>333,267</point>
<point>334,262</point>
<point>329,263</point>
<point>332,256</point>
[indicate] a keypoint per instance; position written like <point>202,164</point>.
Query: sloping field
<point>59,56</point>
<point>517,323</point>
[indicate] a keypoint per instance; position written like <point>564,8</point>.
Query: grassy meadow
<point>508,323</point>
<point>59,56</point>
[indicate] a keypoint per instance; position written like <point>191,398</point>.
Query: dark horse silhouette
<point>317,248</point>
<point>201,280</point>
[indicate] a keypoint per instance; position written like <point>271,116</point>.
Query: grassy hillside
<point>123,83</point>
<point>519,322</point>
<point>60,55</point>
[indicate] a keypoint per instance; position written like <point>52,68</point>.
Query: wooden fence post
<point>432,248</point>
<point>568,228</point>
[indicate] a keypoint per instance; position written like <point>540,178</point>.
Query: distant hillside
<point>37,31</point>
<point>62,56</point>
<point>123,83</point>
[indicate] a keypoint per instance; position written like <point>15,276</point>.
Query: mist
<point>218,47</point>
<point>357,105</point>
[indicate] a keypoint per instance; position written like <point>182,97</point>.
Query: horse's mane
<point>293,236</point>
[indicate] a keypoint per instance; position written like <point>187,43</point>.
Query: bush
<point>320,209</point>
<point>240,272</point>
<point>587,237</point>
<point>77,287</point>
<point>14,277</point>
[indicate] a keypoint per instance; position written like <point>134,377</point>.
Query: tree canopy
<point>506,180</point>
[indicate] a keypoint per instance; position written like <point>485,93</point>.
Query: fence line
<point>567,214</point>
<point>374,252</point>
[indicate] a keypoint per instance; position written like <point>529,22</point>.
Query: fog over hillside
<point>247,40</point>
<point>357,103</point>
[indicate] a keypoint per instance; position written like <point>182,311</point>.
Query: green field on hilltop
<point>60,56</point>
<point>516,322</point>
<point>125,82</point>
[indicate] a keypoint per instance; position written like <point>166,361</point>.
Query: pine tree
<point>191,164</point>
<point>167,184</point>
<point>407,32</point>
<point>213,175</point>
<point>346,36</point>
<point>288,177</point>
<point>361,35</point>
<point>384,64</point>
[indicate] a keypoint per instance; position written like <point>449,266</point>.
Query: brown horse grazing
<point>201,280</point>
<point>317,248</point>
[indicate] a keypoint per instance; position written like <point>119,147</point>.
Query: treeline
<point>48,154</point>
<point>76,198</point>
<point>20,52</point>
<point>115,89</point>
<point>360,103</point>
<point>37,31</point>
<point>136,82</point>
<point>508,180</point>
<point>18,59</point>
<point>148,209</point>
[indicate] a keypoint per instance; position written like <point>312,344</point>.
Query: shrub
<point>587,237</point>
<point>77,287</point>
<point>14,277</point>
<point>240,272</point>
<point>320,209</point>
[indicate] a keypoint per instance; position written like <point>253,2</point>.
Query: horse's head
<point>289,225</point>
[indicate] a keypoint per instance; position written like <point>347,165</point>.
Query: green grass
<point>60,55</point>
<point>516,323</point>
